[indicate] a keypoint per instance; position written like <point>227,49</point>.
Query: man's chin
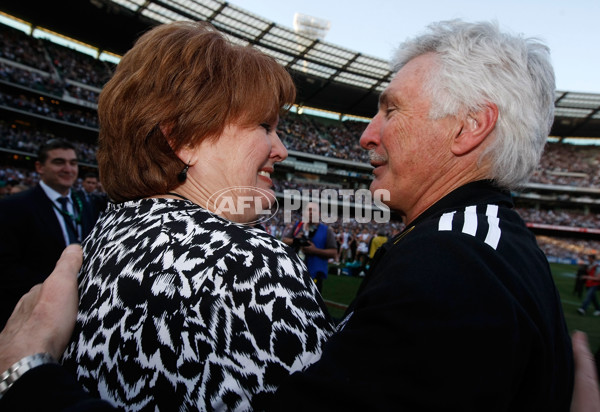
<point>375,185</point>
<point>64,188</point>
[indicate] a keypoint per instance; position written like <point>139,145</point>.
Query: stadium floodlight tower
<point>310,26</point>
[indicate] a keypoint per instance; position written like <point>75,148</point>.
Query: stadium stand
<point>49,91</point>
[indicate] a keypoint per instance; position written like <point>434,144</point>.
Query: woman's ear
<point>165,129</point>
<point>185,154</point>
<point>476,127</point>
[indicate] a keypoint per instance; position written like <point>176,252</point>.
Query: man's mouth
<point>376,159</point>
<point>264,173</point>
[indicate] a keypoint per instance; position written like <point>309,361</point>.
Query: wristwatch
<point>18,369</point>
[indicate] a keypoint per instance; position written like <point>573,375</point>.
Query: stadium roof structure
<point>327,76</point>
<point>576,115</point>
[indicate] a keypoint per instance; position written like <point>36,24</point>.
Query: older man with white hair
<point>459,311</point>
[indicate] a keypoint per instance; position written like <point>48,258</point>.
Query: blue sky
<point>374,27</point>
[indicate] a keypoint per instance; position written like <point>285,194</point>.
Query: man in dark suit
<point>89,192</point>
<point>36,226</point>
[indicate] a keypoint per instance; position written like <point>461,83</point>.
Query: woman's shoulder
<point>187,229</point>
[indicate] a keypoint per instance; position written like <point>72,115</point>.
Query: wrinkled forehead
<point>411,79</point>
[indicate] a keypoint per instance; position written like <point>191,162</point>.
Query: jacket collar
<point>481,191</point>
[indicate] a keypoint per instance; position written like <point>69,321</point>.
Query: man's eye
<point>389,110</point>
<point>267,127</point>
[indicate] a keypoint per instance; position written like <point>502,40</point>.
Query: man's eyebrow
<point>383,98</point>
<point>63,159</point>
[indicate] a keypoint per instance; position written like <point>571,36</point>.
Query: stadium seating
<point>49,91</point>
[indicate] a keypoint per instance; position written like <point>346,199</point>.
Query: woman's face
<point>234,171</point>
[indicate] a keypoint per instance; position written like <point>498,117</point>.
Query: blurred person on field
<point>592,283</point>
<point>581,274</point>
<point>362,249</point>
<point>315,240</point>
<point>376,242</point>
<point>344,242</point>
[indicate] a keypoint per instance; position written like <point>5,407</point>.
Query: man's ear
<point>476,127</point>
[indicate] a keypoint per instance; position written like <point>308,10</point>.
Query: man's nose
<point>370,137</point>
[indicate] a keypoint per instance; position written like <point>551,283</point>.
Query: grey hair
<point>478,64</point>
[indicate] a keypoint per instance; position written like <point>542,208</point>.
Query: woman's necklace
<point>178,195</point>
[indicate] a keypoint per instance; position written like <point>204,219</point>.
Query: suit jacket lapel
<point>45,209</point>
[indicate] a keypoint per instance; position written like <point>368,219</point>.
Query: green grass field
<point>341,290</point>
<point>564,277</point>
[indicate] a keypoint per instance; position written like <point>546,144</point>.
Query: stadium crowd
<point>62,77</point>
<point>570,218</point>
<point>569,248</point>
<point>561,164</point>
<point>61,72</point>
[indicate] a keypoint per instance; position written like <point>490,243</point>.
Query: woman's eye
<point>267,127</point>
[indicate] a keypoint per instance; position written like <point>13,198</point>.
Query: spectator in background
<point>362,249</point>
<point>38,223</point>
<point>592,283</point>
<point>353,243</point>
<point>344,244</point>
<point>376,242</point>
<point>581,275</point>
<point>89,184</point>
<point>18,188</point>
<point>315,240</point>
<point>96,200</point>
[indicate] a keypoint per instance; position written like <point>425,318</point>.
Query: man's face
<point>60,169</point>
<point>89,184</point>
<point>408,149</point>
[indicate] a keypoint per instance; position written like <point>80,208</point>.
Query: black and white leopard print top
<point>183,310</point>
